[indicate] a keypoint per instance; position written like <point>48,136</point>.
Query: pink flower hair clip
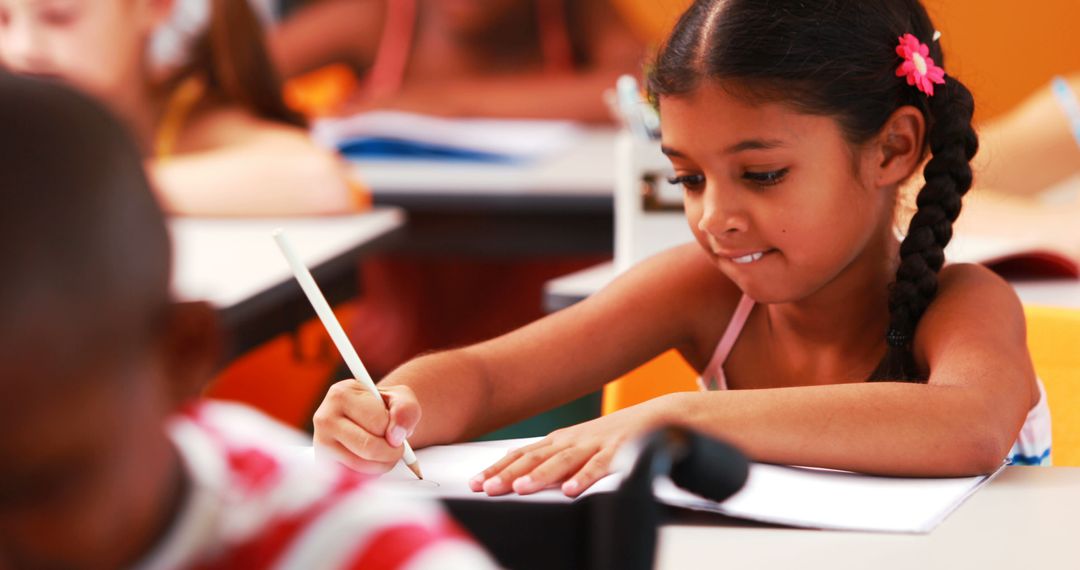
<point>918,66</point>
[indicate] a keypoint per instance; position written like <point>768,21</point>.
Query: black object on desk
<point>605,530</point>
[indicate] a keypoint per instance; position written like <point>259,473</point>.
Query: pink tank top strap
<point>713,377</point>
<point>555,36</point>
<point>388,70</point>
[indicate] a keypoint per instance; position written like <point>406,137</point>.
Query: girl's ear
<point>191,348</point>
<point>898,147</point>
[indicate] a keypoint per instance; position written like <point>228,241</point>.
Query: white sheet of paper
<point>795,496</point>
<point>452,466</point>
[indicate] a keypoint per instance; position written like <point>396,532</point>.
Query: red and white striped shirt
<point>253,502</point>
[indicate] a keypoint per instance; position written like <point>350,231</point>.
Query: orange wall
<point>1002,50</point>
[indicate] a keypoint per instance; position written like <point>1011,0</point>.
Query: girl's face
<point>775,197</point>
<point>97,45</point>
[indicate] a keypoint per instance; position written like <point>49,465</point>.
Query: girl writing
<point>195,85</point>
<point>822,338</point>
<point>495,58</point>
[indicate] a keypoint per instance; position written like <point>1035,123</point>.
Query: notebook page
<point>778,494</point>
<point>836,500</point>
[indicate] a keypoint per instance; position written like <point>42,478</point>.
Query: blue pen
<point>1067,99</point>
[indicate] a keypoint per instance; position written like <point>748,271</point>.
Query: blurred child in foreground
<point>97,467</point>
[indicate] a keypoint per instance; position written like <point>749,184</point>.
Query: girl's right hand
<point>360,431</point>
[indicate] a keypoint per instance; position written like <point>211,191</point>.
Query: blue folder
<point>402,149</point>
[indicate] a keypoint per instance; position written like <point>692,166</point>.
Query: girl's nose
<point>721,215</point>
<point>23,50</point>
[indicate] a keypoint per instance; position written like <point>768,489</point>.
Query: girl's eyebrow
<point>754,144</point>
<point>749,144</point>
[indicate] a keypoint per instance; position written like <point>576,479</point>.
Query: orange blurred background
<point>1001,50</point>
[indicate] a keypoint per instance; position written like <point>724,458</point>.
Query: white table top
<point>565,291</point>
<point>227,260</point>
<point>1025,518</point>
<point>584,171</point>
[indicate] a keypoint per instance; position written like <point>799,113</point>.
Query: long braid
<point>953,143</point>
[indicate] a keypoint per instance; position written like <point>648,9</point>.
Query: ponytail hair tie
<point>897,339</point>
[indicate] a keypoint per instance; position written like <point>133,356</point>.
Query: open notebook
<point>1015,258</point>
<point>794,496</point>
<point>408,136</point>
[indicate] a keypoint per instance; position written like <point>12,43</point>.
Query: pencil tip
<point>415,468</point>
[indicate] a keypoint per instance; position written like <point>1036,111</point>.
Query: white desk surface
<point>228,260</point>
<point>585,170</point>
<point>1025,518</point>
<point>566,290</point>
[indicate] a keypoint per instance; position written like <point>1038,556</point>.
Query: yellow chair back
<point>1054,343</point>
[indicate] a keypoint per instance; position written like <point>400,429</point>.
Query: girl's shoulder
<point>966,280</point>
<point>685,284</point>
<point>972,302</point>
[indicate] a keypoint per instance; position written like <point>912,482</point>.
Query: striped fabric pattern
<point>253,503</point>
<point>1033,445</point>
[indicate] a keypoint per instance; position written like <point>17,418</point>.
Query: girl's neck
<point>153,525</point>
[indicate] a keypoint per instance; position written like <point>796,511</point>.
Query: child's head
<point>98,45</point>
<point>791,113</point>
<point>104,47</point>
<point>93,356</point>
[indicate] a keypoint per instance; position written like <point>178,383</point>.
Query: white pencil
<point>337,334</point>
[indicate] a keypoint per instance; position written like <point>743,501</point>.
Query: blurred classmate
<point>495,58</point>
<point>193,82</point>
<point>94,359</point>
<point>1034,146</point>
<point>1027,157</point>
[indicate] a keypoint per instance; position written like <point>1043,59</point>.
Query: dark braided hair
<point>838,58</point>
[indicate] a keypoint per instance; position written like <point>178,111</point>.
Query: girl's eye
<point>58,13</point>
<point>690,182</point>
<point>770,178</point>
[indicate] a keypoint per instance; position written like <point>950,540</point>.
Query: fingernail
<point>477,482</point>
<point>397,435</point>
<point>570,487</point>
<point>493,485</point>
<point>524,485</point>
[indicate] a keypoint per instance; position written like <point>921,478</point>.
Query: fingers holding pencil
<point>362,432</point>
<point>337,335</point>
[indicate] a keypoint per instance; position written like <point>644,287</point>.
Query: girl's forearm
<point>886,428</point>
<point>453,393</point>
<point>228,183</point>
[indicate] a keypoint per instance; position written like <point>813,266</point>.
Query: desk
<point>235,266</point>
<point>1025,518</point>
<point>557,205</point>
<point>569,289</point>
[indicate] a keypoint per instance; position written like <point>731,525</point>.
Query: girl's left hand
<point>575,457</point>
